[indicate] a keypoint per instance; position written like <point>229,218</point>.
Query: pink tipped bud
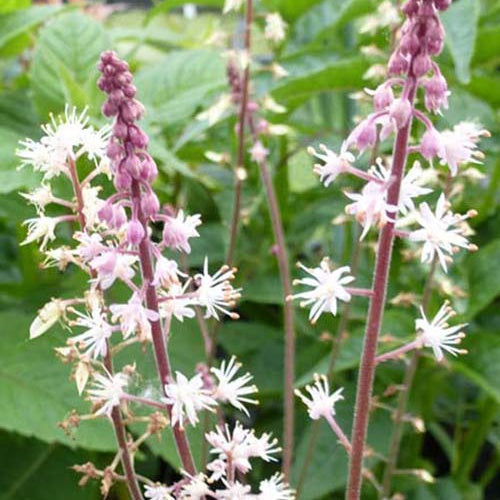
<point>400,112</point>
<point>120,129</point>
<point>421,65</point>
<point>138,138</point>
<point>363,136</point>
<point>149,170</point>
<point>132,165</point>
<point>109,108</point>
<point>130,90</point>
<point>135,232</point>
<point>119,216</point>
<point>410,44</point>
<point>383,97</point>
<point>430,145</point>
<point>105,214</point>
<point>410,8</point>
<point>442,4</point>
<point>397,64</point>
<point>114,150</point>
<point>434,36</point>
<point>122,180</point>
<point>150,204</point>
<point>436,93</point>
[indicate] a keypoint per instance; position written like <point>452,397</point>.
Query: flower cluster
<point>112,244</point>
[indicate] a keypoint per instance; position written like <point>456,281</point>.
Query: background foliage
<point>48,56</point>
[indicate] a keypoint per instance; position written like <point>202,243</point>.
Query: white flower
<point>215,293</point>
<point>178,307</point>
<point>42,158</point>
<point>187,398</point>
<point>90,245</point>
<point>60,257</point>
<point>275,27</point>
<point>111,265</point>
<point>459,146</point>
<point>327,287</point>
<point>438,334</point>
<point>232,5</point>
<point>177,230</point>
<point>40,197</point>
<point>41,228</point>
<point>107,391</point>
<point>275,488</point>
<point>94,339</point>
<point>233,390</point>
<point>238,446</point>
<point>166,272</point>
<point>370,207</point>
<point>334,164</point>
<point>134,317</point>
<point>235,491</point>
<point>157,492</point>
<point>93,143</point>
<point>320,402</point>
<point>437,233</point>
<point>410,185</point>
<point>91,205</point>
<point>258,152</point>
<point>196,489</point>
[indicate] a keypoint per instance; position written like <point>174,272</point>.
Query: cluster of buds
<point>113,245</point>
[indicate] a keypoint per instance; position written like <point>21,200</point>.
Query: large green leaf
<point>34,470</point>
<point>310,74</point>
<point>484,282</point>
<point>326,16</point>
<point>10,5</point>
<point>460,23</point>
<point>16,23</point>
<point>64,62</point>
<point>176,87</point>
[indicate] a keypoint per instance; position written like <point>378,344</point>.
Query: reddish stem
<point>238,178</point>
<point>375,314</point>
<point>159,344</point>
<point>116,417</point>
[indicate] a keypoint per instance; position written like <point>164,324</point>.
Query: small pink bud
<point>105,214</point>
<point>109,109</point>
<point>130,90</point>
<point>436,93</point>
<point>383,97</point>
<point>150,205</point>
<point>135,232</point>
<point>122,180</point>
<point>410,8</point>
<point>421,65</point>
<point>138,138</point>
<point>132,165</point>
<point>114,150</point>
<point>363,136</point>
<point>120,129</point>
<point>400,112</point>
<point>410,44</point>
<point>119,216</point>
<point>442,4</point>
<point>149,170</point>
<point>430,145</point>
<point>397,64</point>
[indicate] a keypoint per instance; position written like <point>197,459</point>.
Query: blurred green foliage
<point>48,57</point>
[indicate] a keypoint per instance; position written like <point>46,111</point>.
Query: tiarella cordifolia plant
<point>388,192</point>
<point>113,244</point>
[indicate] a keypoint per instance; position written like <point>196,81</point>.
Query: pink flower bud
<point>122,180</point>
<point>363,136</point>
<point>114,150</point>
<point>135,232</point>
<point>410,8</point>
<point>119,216</point>
<point>138,138</point>
<point>397,64</point>
<point>150,204</point>
<point>434,36</point>
<point>430,145</point>
<point>421,65</point>
<point>130,90</point>
<point>120,129</point>
<point>400,112</point>
<point>410,44</point>
<point>383,97</point>
<point>442,4</point>
<point>105,214</point>
<point>436,93</point>
<point>132,165</point>
<point>149,170</point>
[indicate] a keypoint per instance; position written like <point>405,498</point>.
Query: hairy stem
<point>289,352</point>
<point>377,305</point>
<point>116,417</point>
<point>238,177</point>
<point>159,341</point>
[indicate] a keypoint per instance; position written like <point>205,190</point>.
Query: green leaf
<point>10,5</point>
<point>34,470</point>
<point>19,22</point>
<point>310,74</point>
<point>326,16</point>
<point>484,283</point>
<point>64,62</point>
<point>300,173</point>
<point>460,23</point>
<point>480,364</point>
<point>177,86</point>
<point>11,178</point>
